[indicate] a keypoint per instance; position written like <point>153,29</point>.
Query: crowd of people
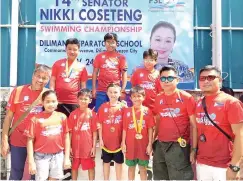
<point>55,129</point>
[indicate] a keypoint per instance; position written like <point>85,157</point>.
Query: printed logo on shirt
<point>36,109</point>
<point>109,64</point>
<point>117,120</point>
<point>41,120</point>
<point>52,130</point>
<point>75,116</point>
<point>218,104</point>
<point>171,112</point>
<point>179,100</point>
<point>26,98</point>
<point>85,127</point>
<point>199,104</point>
<point>63,65</point>
<point>203,119</point>
<point>141,75</point>
<point>147,85</point>
<point>161,102</point>
<point>103,56</point>
<point>131,125</point>
<point>106,110</point>
<point>128,114</point>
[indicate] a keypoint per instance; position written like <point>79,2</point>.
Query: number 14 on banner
<point>67,2</point>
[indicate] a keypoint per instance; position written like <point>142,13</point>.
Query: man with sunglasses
<point>174,110</point>
<point>220,124</point>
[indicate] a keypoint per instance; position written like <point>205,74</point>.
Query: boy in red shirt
<point>68,77</point>
<point>82,124</point>
<point>110,132</point>
<point>48,137</point>
<point>111,67</point>
<point>148,78</point>
<point>138,123</point>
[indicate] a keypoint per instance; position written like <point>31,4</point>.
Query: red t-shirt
<point>150,83</point>
<point>174,111</point>
<point>48,131</point>
<point>112,140</point>
<point>136,148</point>
<point>224,110</point>
<point>67,91</point>
<point>18,107</point>
<point>82,124</point>
<point>110,65</point>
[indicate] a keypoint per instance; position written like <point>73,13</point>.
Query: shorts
<point>108,157</point>
<point>133,163</point>
<point>86,164</point>
<point>49,165</point>
<point>66,108</point>
<point>101,97</point>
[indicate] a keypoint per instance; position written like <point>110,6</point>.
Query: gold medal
<point>182,142</point>
<point>138,136</point>
<point>112,129</point>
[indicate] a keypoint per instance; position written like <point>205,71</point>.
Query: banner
<point>163,25</point>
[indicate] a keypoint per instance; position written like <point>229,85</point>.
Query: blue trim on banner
<point>91,23</point>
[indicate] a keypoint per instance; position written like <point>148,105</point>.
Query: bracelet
<point>194,149</point>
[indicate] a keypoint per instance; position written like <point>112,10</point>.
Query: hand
<point>101,143</point>
<point>230,175</point>
<point>32,168</point>
<point>66,163</point>
<point>123,96</point>
<point>124,148</point>
<point>193,157</point>
<point>149,149</point>
<point>93,151</point>
<point>94,93</point>
<point>5,148</point>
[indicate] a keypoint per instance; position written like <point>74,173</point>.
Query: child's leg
<point>143,172</point>
<point>91,173</point>
<point>106,170</point>
<point>131,173</point>
<point>74,174</point>
<point>118,171</point>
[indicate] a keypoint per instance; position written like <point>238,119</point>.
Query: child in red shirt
<point>83,129</point>
<point>138,123</point>
<point>148,78</point>
<point>110,132</point>
<point>111,67</point>
<point>48,137</point>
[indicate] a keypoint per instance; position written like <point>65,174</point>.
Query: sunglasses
<point>208,78</point>
<point>148,60</point>
<point>169,78</point>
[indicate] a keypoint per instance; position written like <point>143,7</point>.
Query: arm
<point>83,85</point>
<point>94,78</point>
<point>100,136</point>
<point>30,153</point>
<point>53,83</point>
<point>150,136</point>
<point>93,150</point>
<point>67,163</point>
<point>194,130</point>
<point>124,80</point>
<point>124,135</point>
<point>6,125</point>
<point>157,119</point>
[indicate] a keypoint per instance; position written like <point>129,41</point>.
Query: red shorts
<point>86,164</point>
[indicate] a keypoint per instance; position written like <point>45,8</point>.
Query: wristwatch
<point>234,168</point>
<point>194,149</point>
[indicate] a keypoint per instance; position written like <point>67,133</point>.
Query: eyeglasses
<point>209,78</point>
<point>169,78</point>
<point>148,60</point>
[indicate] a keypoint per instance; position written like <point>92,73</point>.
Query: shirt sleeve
<point>94,122</point>
<point>100,115</point>
<point>235,112</point>
<point>150,121</point>
<point>96,63</point>
<point>11,106</point>
<point>30,128</point>
<point>191,105</point>
<point>84,75</point>
<point>54,70</point>
<point>123,63</point>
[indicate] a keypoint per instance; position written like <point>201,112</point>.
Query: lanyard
<point>138,125</point>
<point>69,71</point>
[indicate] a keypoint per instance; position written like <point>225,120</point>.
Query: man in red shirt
<point>110,67</point>
<point>174,110</point>
<point>68,77</point>
<point>215,160</point>
<point>20,100</point>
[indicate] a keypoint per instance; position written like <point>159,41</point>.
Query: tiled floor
<point>83,175</point>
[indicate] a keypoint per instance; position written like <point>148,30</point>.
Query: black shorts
<point>108,157</point>
<point>66,108</point>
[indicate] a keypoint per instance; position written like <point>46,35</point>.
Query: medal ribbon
<point>137,125</point>
<point>69,71</point>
